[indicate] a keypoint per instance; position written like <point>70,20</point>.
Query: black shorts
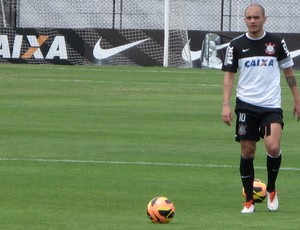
<point>253,122</point>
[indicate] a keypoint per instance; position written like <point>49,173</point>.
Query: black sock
<point>273,165</point>
<point>247,176</point>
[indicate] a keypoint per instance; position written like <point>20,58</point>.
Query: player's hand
<point>226,114</point>
<point>296,111</point>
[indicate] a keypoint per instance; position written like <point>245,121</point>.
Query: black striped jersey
<point>258,62</point>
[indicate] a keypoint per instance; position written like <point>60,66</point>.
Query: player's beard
<point>255,30</point>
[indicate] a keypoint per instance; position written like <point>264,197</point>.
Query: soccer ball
<point>259,191</point>
<point>160,210</point>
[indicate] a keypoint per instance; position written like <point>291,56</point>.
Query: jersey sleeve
<point>230,63</point>
<point>284,58</point>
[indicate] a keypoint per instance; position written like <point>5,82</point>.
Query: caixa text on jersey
<point>260,62</point>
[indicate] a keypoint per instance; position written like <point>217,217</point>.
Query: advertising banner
<point>205,49</point>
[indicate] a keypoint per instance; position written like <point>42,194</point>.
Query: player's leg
<point>247,167</point>
<point>272,137</point>
<point>247,133</point>
<point>247,173</point>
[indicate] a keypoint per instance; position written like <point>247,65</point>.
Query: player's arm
<point>292,83</point>
<point>227,89</point>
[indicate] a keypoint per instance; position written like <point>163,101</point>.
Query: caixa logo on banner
<point>57,49</point>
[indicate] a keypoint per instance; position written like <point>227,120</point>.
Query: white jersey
<point>259,62</point>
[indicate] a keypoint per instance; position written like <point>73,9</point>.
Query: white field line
<point>114,69</point>
<point>66,161</point>
<point>112,82</point>
<point>106,82</point>
<point>117,70</point>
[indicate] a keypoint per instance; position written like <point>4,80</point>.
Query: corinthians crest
<point>270,48</point>
<point>242,129</point>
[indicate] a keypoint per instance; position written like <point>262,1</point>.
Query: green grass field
<point>88,147</point>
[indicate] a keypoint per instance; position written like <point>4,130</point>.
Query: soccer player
<point>259,56</point>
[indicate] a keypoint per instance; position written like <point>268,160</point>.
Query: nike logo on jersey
<point>245,50</point>
<point>100,53</point>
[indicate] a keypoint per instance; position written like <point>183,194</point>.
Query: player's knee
<point>273,150</point>
<point>248,151</point>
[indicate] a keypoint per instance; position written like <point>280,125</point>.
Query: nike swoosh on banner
<point>189,55</point>
<point>100,53</point>
<point>295,53</point>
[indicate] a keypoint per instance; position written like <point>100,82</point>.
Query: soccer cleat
<point>248,207</point>
<point>272,201</point>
